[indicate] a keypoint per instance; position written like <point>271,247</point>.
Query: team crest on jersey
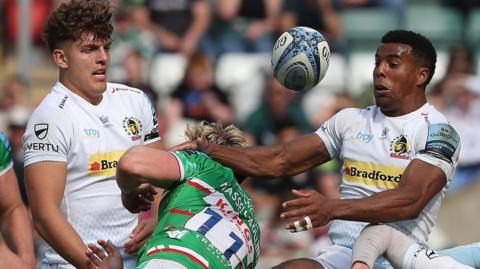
<point>41,130</point>
<point>400,148</point>
<point>133,127</point>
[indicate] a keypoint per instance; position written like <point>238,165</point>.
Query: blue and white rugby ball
<point>300,58</point>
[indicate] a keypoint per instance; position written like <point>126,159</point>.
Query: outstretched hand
<point>108,258</point>
<point>308,210</point>
<point>139,200</point>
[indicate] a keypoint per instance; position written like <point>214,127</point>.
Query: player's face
<point>396,79</point>
<point>84,68</point>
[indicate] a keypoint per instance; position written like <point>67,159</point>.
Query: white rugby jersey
<point>376,149</point>
<point>91,139</point>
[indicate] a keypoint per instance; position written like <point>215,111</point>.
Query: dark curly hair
<point>75,18</point>
<point>422,48</point>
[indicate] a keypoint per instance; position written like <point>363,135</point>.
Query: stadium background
<point>242,87</point>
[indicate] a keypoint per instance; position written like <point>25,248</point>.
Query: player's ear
<point>60,58</point>
<point>422,76</point>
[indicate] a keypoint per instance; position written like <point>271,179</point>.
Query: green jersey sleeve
<point>5,154</point>
<point>196,164</point>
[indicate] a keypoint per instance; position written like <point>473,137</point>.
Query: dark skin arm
<point>291,158</point>
<point>419,184</point>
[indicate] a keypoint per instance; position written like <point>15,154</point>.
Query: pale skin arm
<point>143,164</point>
<point>148,212</point>
<point>8,259</point>
<point>16,223</point>
<point>45,184</point>
<point>139,165</point>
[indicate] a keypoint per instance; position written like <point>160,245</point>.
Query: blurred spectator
<point>460,61</point>
<point>278,105</point>
<point>397,6</point>
<point>179,25</point>
<point>17,122</point>
<point>243,26</point>
<point>319,15</point>
<point>332,105</point>
<point>14,92</point>
<point>465,6</point>
<point>136,75</point>
<point>199,96</point>
<point>461,104</point>
<point>269,194</point>
<point>463,111</point>
<point>131,34</point>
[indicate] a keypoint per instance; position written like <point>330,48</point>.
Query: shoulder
<point>433,116</point>
<point>348,113</point>
<point>54,107</point>
<point>121,89</point>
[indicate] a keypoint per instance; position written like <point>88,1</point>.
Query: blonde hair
<point>215,133</point>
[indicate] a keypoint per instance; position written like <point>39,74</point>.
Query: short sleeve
<point>46,138</point>
<point>439,145</point>
<point>331,133</point>
<point>187,162</point>
<point>151,130</point>
<point>5,154</point>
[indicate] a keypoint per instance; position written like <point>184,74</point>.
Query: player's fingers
<point>97,251</point>
<point>302,193</point>
<point>105,246</point>
<point>296,202</point>
<point>296,213</point>
<point>94,261</point>
<point>302,224</point>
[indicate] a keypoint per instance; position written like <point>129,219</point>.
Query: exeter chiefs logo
<point>133,127</point>
<point>400,148</point>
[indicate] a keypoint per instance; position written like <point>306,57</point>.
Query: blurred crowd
<point>202,33</point>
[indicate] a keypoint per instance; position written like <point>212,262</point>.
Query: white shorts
<point>337,257</point>
<point>56,266</point>
<point>418,257</point>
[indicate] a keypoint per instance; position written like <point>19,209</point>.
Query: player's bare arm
<point>419,184</point>
<point>291,158</point>
<point>45,184</point>
<point>15,223</point>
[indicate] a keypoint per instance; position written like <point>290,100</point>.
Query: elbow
<point>128,162</point>
<point>281,165</point>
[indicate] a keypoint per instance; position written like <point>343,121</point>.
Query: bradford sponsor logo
<point>133,127</point>
<point>372,175</point>
<point>104,164</point>
<point>400,148</point>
